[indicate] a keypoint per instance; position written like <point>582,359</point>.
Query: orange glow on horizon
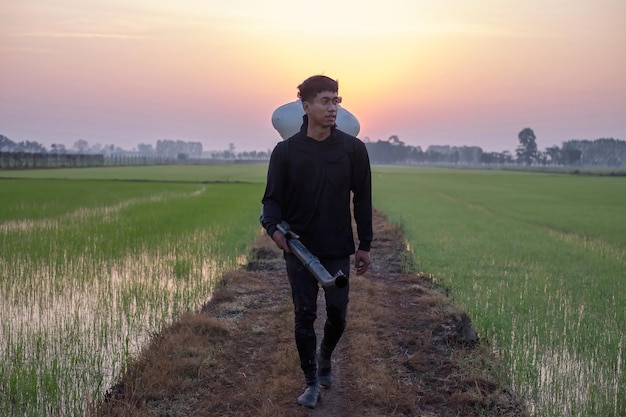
<point>418,69</point>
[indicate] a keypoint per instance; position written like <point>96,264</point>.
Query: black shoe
<point>310,397</point>
<point>324,370</point>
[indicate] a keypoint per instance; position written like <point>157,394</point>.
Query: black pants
<point>304,289</point>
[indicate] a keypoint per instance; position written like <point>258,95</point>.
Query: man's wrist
<point>271,229</point>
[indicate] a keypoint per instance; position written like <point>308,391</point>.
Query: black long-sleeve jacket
<point>308,186</point>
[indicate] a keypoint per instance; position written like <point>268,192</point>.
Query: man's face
<point>322,110</point>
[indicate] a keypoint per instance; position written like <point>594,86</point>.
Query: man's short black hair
<point>314,85</point>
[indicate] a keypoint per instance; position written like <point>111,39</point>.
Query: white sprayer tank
<point>287,120</point>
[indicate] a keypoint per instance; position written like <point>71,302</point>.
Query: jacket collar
<point>305,125</point>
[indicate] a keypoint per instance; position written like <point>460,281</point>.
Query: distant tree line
<point>169,149</point>
<point>394,151</point>
<point>230,154</point>
<point>29,155</point>
<point>81,146</point>
<point>604,152</point>
<point>164,148</point>
<point>28,160</point>
<point>598,153</point>
<point>176,149</point>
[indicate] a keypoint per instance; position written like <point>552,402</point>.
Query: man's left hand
<point>362,261</point>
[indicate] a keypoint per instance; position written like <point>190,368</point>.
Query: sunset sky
<point>445,72</point>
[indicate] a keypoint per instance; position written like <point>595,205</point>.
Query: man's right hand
<point>281,241</point>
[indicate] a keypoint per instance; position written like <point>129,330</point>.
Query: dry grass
<point>407,351</point>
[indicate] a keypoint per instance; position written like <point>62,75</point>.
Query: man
<point>309,182</point>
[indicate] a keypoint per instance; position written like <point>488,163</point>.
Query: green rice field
<point>95,261</point>
<point>91,268</point>
<point>539,262</point>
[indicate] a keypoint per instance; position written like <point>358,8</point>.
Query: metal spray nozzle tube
<point>312,262</point>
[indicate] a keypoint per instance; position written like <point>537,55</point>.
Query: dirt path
<point>407,351</point>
